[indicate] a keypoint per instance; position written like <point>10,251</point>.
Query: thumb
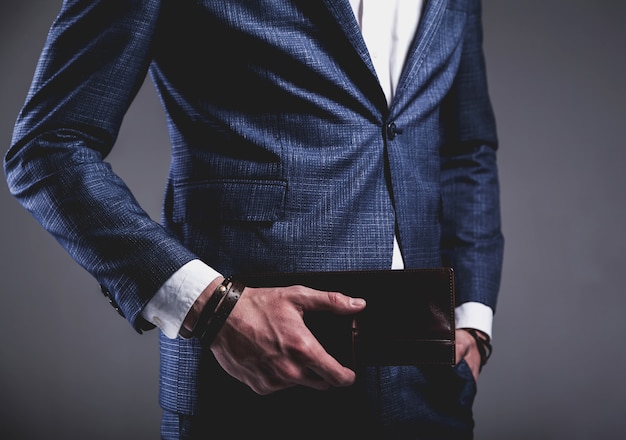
<point>334,302</point>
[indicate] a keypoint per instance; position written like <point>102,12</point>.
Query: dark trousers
<point>432,402</point>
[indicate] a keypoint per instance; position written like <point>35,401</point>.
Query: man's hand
<point>466,349</point>
<point>266,345</point>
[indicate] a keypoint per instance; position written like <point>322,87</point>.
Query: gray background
<point>71,368</point>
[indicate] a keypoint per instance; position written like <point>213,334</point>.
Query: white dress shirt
<point>388,28</point>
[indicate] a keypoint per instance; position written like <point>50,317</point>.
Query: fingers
<point>328,368</point>
<point>308,366</point>
<point>322,370</point>
<point>465,347</point>
<point>266,344</point>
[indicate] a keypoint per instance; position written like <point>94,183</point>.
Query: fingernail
<point>357,302</point>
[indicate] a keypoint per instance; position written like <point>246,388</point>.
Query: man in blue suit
<point>306,136</point>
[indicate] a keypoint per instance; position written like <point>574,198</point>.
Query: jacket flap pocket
<point>229,201</point>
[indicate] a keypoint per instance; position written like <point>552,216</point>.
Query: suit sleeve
<point>94,61</point>
<point>472,239</point>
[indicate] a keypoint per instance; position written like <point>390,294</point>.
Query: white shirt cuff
<point>475,315</point>
<point>169,306</point>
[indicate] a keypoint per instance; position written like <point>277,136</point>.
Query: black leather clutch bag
<point>408,320</point>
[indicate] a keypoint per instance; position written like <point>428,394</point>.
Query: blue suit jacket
<point>285,155</point>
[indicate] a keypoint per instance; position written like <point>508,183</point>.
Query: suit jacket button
<point>392,131</point>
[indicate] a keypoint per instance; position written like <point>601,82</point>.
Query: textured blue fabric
<point>284,156</point>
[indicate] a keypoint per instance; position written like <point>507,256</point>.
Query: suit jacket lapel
<point>429,24</point>
<point>342,11</point>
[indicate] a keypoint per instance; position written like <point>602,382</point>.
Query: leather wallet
<point>408,319</point>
